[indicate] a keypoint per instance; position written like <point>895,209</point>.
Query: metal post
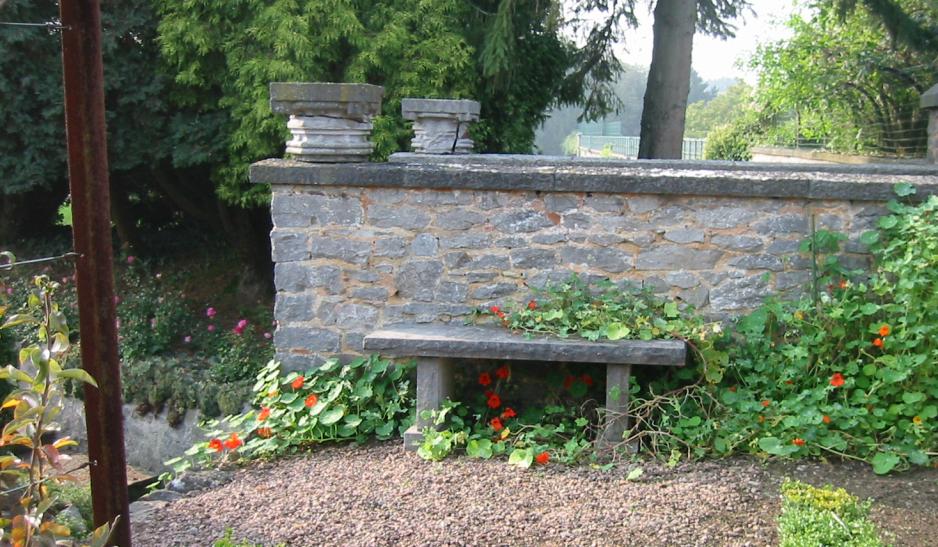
<point>88,180</point>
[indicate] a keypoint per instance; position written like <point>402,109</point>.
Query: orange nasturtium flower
<point>542,458</point>
<point>264,432</point>
<point>878,342</point>
<point>837,379</point>
<point>233,442</point>
<point>264,414</point>
<point>485,379</point>
<point>298,383</point>
<point>843,283</point>
<point>494,401</point>
<point>884,330</point>
<point>503,372</point>
<point>766,403</point>
<point>532,305</point>
<point>826,419</point>
<point>798,441</point>
<point>917,420</point>
<point>508,413</point>
<point>496,424</point>
<point>215,444</point>
<point>311,400</point>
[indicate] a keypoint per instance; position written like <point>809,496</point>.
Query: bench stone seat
<point>436,347</point>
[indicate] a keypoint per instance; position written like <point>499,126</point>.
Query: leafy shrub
<point>153,317</point>
<point>824,516</point>
<point>365,398</point>
<point>728,142</point>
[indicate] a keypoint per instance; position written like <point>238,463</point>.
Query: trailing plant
<point>824,516</point>
<point>36,402</point>
<point>488,426</point>
<point>368,397</point>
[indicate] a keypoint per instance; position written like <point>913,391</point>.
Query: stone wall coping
<point>316,98</point>
<point>564,174</point>
<point>413,108</point>
<point>929,99</point>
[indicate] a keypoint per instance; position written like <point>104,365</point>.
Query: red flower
<point>311,400</point>
<point>837,379</point>
<point>884,331</point>
<point>495,309</point>
<point>766,403</point>
<point>542,458</point>
<point>508,413</point>
<point>298,383</point>
<point>503,372</point>
<point>485,379</point>
<point>264,414</point>
<point>843,283</point>
<point>264,432</point>
<point>215,445</point>
<point>532,305</point>
<point>568,381</point>
<point>878,342</point>
<point>233,442</point>
<point>494,401</point>
<point>587,379</point>
<point>496,424</point>
<point>789,382</point>
<point>798,441</point>
<point>489,393</point>
<point>826,419</point>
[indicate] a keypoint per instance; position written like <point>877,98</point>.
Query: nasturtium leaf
<point>869,237</point>
<point>904,189</point>
<point>479,448</point>
<point>332,415</point>
<point>869,308</point>
<point>634,474</point>
<point>884,462</point>
<point>912,397</point>
<point>522,457</point>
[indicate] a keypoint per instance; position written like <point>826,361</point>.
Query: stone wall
<point>425,239</point>
<point>932,152</point>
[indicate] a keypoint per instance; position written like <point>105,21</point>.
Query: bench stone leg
<point>617,418</point>
<point>434,385</point>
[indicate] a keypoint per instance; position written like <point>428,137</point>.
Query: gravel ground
<point>381,495</point>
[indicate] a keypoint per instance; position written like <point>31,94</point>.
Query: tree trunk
<point>668,80</point>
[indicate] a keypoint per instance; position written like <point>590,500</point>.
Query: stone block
<point>603,258</point>
<point>494,291</point>
<point>289,246</point>
<point>306,338</point>
<point>356,317</point>
<point>425,245</point>
<point>737,242</point>
<point>451,292</point>
<point>347,250</point>
<point>726,217</point>
<point>674,257</point>
<point>442,197</point>
<point>521,221</point>
<point>417,280</point>
<point>290,277</point>
<point>696,297</point>
<point>682,279</point>
<point>783,224</point>
<point>560,203</point>
<point>325,277</point>
<point>391,247</point>
<point>644,204</point>
<point>318,208</point>
<point>576,221</point>
<point>524,259</point>
<point>605,203</point>
<point>758,262</point>
<point>740,294</point>
<point>511,242</point>
<point>784,247</point>
<point>458,219</point>
<point>789,280</point>
<point>549,238</point>
<point>685,235</point>
<point>408,218</point>
<point>294,308</point>
<point>370,294</point>
<point>466,241</point>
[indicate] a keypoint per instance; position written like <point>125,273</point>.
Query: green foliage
<point>36,402</point>
<point>706,115</point>
<point>824,516</point>
<point>844,83</point>
<point>365,398</point>
<point>728,142</point>
<point>78,496</point>
<point>154,317</point>
<point>229,541</point>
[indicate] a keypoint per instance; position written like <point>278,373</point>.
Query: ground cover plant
<point>824,516</point>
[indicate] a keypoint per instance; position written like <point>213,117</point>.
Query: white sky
<point>715,58</point>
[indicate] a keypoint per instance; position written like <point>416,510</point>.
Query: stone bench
<point>437,347</point>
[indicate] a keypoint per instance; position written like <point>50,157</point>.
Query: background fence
<point>627,147</point>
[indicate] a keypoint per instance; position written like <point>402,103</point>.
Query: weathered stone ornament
<point>929,102</point>
<point>330,122</point>
<point>441,126</point>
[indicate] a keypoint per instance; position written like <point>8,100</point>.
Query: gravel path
<point>381,495</point>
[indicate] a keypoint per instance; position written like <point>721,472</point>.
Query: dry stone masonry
<point>427,239</point>
<point>441,126</point>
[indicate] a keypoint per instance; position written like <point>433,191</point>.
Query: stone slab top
<point>475,342</point>
<point>317,98</point>
<point>412,108</point>
<point>872,182</point>
<point>929,99</point>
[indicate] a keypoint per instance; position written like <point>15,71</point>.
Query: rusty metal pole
<point>91,229</point>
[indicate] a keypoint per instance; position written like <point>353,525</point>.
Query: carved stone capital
<point>441,126</point>
<point>329,122</point>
